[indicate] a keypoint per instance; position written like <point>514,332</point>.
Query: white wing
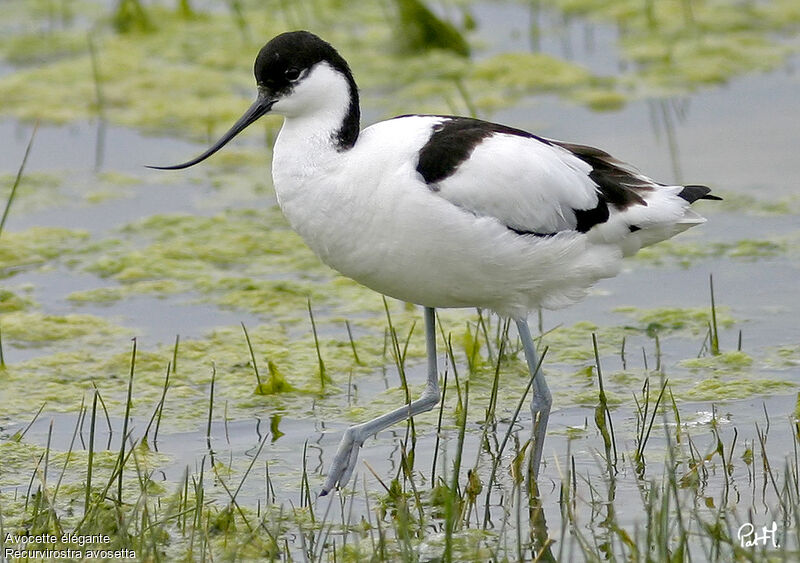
<point>528,185</point>
<point>539,186</point>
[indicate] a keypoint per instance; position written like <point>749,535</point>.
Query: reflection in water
<point>663,115</point>
<point>541,541</point>
<point>100,144</point>
<point>99,105</point>
<point>317,447</point>
<point>274,422</point>
<point>534,26</point>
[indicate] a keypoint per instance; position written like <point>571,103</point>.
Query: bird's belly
<point>416,247</point>
<point>385,252</point>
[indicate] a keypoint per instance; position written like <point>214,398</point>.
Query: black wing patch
<point>616,184</point>
<point>452,143</point>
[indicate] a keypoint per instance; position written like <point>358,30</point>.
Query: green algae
<point>730,375</point>
<point>160,288</point>
<point>47,190</point>
<point>103,195</point>
<point>525,74</point>
<point>120,179</point>
<point>233,237</point>
<point>573,344</point>
<point>522,72</point>
<point>676,46</point>
<point>292,362</point>
<point>240,259</point>
<point>687,253</point>
<point>726,362</point>
<point>713,388</point>
<point>38,48</point>
<point>36,246</point>
<point>68,375</point>
<point>276,382</point>
<point>690,320</point>
<point>132,69</point>
<point>16,456</point>
<point>136,68</point>
<point>735,202</point>
<point>274,345</point>
<point>600,97</point>
<point>753,249</point>
<point>22,464</point>
<point>783,357</point>
<point>693,61</point>
<point>669,52</point>
<point>40,328</point>
<point>246,259</point>
<point>529,72</point>
<point>10,302</point>
<point>36,190</point>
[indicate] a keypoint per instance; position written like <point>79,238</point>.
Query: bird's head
<point>297,75</point>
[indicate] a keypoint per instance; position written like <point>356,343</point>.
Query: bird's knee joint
<point>539,404</point>
<point>431,397</point>
<point>351,434</point>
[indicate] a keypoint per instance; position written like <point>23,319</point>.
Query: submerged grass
<point>696,490</point>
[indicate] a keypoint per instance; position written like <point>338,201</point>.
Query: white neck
<point>314,114</point>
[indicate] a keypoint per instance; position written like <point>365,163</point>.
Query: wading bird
<point>447,211</point>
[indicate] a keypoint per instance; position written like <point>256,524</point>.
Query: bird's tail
<point>662,219</point>
<point>693,192</point>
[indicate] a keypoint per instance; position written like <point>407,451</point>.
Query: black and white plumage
<point>447,211</point>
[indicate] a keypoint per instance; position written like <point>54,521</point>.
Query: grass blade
<point>121,458</point>
<point>17,180</point>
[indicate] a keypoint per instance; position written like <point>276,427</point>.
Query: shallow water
<point>737,138</point>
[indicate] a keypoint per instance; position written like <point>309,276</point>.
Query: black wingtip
<point>692,193</point>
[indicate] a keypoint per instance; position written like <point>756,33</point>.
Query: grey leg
<point>346,456</point>
<point>541,401</point>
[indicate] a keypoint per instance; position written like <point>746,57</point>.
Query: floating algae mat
<point>673,46</point>
<point>232,420</point>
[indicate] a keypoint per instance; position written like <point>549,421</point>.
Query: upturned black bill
<point>261,106</point>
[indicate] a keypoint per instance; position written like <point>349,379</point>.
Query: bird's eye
<point>292,73</point>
